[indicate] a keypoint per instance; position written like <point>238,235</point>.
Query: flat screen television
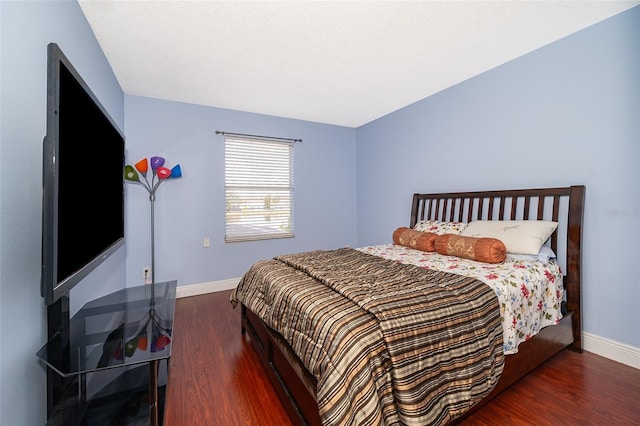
<point>82,180</point>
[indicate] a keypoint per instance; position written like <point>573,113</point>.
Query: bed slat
<point>514,208</point>
<point>502,203</point>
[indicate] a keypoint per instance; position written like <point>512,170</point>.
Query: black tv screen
<point>83,181</point>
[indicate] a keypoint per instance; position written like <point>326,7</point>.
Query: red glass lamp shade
<point>163,173</point>
<point>162,342</point>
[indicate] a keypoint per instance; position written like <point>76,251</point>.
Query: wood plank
<point>215,378</point>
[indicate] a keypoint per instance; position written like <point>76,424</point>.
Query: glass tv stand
<point>112,359</point>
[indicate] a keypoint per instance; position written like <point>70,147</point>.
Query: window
<point>258,189</point>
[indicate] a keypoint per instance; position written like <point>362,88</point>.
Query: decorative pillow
<point>408,237</point>
<point>518,236</point>
<point>488,250</point>
<point>437,227</point>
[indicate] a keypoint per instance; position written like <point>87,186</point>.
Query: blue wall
<point>568,113</point>
<point>25,30</point>
<point>191,208</point>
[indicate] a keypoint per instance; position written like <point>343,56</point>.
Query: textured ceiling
<point>337,62</point>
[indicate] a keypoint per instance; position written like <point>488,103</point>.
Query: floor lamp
<point>160,174</point>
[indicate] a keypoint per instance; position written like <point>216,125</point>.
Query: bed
<point>386,382</point>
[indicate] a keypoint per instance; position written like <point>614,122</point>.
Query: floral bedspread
<point>530,292</point>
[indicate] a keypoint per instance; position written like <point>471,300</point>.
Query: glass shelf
<point>123,328</point>
<point>112,359</point>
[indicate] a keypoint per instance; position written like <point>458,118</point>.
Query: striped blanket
<point>388,343</point>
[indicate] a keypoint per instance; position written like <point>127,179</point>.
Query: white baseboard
<point>203,288</point>
<point>615,351</point>
<point>624,354</point>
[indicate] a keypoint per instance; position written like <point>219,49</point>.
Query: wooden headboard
<point>563,205</point>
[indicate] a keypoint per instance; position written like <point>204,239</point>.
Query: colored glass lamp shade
<point>176,172</point>
<point>138,342</point>
<point>143,342</point>
<point>157,165</point>
<point>157,162</point>
<point>131,346</point>
<point>161,342</point>
<point>131,174</point>
<point>163,173</point>
<point>142,166</point>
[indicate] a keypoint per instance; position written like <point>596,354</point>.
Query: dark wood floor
<point>215,378</point>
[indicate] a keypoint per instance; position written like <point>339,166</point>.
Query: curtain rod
<point>218,132</point>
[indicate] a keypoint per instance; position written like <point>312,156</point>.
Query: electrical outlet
<point>206,242</point>
<point>146,274</point>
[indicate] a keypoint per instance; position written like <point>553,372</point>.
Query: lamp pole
<point>152,199</point>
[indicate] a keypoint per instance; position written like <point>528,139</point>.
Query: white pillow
<point>518,236</point>
<point>544,255</point>
<point>437,227</point>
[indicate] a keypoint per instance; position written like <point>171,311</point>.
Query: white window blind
<point>258,189</point>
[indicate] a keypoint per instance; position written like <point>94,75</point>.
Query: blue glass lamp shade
<point>176,172</point>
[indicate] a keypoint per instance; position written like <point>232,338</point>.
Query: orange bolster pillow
<point>418,240</point>
<point>488,250</point>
